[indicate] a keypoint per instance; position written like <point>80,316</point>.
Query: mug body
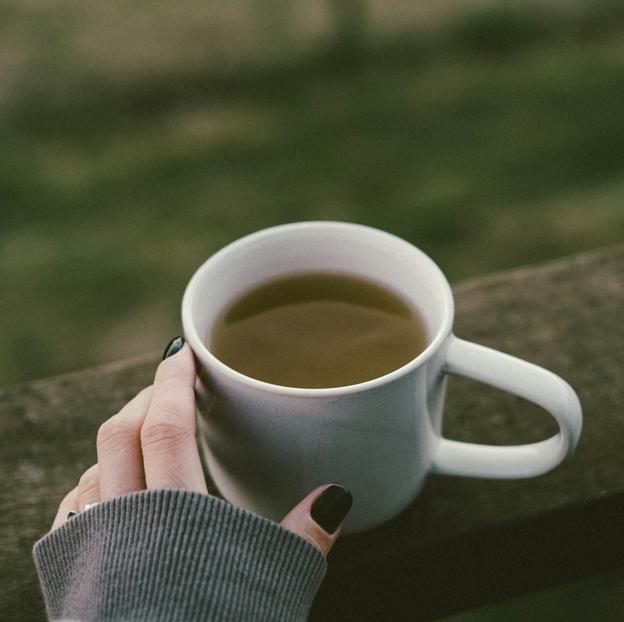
<point>266,445</point>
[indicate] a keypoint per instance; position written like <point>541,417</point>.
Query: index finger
<point>170,454</point>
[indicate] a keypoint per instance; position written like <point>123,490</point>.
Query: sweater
<point>177,556</point>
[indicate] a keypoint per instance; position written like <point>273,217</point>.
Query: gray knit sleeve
<point>175,555</point>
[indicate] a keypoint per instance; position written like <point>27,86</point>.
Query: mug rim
<point>202,351</point>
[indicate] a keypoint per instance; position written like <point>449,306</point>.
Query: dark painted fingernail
<point>174,346</point>
<point>331,507</point>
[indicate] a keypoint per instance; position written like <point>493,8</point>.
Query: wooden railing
<point>463,542</point>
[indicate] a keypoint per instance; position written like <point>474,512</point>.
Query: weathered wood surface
<point>463,542</point>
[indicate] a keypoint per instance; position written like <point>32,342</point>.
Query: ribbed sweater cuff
<point>175,555</point>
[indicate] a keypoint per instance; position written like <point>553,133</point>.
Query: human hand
<point>150,444</point>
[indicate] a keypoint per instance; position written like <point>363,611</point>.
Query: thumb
<point>319,517</point>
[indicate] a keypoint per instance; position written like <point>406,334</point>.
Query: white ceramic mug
<point>267,446</point>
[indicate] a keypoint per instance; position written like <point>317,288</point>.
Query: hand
<point>151,443</point>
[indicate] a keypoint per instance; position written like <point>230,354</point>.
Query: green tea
<point>317,329</point>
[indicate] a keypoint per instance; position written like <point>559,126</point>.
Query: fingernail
<point>330,508</point>
<point>175,345</point>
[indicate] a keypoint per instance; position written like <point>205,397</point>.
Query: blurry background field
<point>137,138</point>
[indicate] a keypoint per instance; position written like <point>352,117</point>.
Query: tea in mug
<point>318,330</point>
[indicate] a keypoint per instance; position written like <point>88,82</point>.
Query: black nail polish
<point>175,345</point>
<point>331,507</point>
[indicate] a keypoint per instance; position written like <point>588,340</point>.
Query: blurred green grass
<point>484,162</point>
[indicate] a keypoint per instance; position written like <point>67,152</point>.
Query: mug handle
<point>526,380</point>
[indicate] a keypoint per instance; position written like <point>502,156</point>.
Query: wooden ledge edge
<point>512,275</point>
<point>548,267</point>
<point>72,376</point>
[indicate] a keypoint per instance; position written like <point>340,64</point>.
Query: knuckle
<point>114,434</point>
<point>165,435</point>
<point>177,407</point>
<point>169,404</point>
<point>174,396</point>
